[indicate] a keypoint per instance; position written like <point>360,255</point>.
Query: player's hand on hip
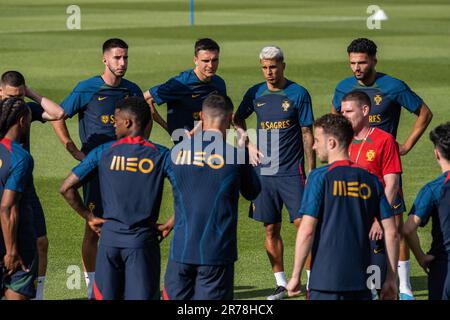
<point>254,154</point>
<point>293,287</point>
<point>376,232</point>
<point>426,261</point>
<point>13,262</point>
<point>95,223</point>
<point>389,290</point>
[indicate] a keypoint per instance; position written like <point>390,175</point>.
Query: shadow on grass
<point>246,292</point>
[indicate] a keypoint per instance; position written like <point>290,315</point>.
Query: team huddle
<point>348,213</point>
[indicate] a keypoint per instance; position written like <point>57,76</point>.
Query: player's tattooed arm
<point>69,190</point>
<point>308,141</point>
<point>9,218</point>
<point>424,116</point>
<point>63,134</point>
<point>155,114</point>
<point>392,242</point>
<point>52,110</point>
<point>410,233</point>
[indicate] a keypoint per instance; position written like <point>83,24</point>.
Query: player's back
<point>131,180</point>
<point>341,249</point>
<point>433,201</point>
<point>206,185</point>
<point>444,213</point>
<point>16,167</point>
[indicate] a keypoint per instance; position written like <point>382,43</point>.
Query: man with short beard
<point>388,95</point>
<point>94,101</point>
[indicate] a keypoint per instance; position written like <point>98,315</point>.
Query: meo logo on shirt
<point>351,189</point>
<point>120,163</point>
<point>214,161</point>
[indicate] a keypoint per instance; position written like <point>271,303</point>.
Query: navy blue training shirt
<point>388,96</point>
<point>131,183</point>
<point>16,168</point>
<point>184,95</point>
<point>433,201</point>
<point>286,110</point>
<point>206,184</point>
<point>345,199</point>
<point>94,101</point>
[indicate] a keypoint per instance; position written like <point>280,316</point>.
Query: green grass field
<point>414,45</point>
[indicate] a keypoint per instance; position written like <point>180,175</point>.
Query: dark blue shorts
<point>198,282</point>
<point>378,257</point>
<point>399,206</point>
<point>127,273</point>
<point>274,192</point>
<point>22,282</point>
<point>39,219</point>
<point>439,280</point>
<point>91,194</point>
<point>349,295</point>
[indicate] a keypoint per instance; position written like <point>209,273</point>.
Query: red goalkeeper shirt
<point>378,152</point>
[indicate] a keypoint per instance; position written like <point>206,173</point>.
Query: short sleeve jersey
<point>388,96</point>
<point>280,116</point>
<point>131,183</point>
<point>16,167</point>
<point>433,201</point>
<point>184,95</point>
<point>206,183</point>
<point>94,101</point>
<point>345,199</point>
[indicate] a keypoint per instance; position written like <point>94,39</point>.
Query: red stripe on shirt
<point>135,140</point>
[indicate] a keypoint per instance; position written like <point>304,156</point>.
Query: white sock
<point>404,275</point>
<point>89,278</point>
<point>280,277</point>
<point>308,273</point>
<point>40,288</point>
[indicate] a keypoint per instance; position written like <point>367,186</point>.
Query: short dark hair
<point>216,105</point>
<point>338,126</point>
<point>138,108</point>
<point>358,96</point>
<point>11,110</point>
<point>362,45</point>
<point>440,136</point>
<point>13,79</point>
<point>114,43</point>
<point>206,44</point>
